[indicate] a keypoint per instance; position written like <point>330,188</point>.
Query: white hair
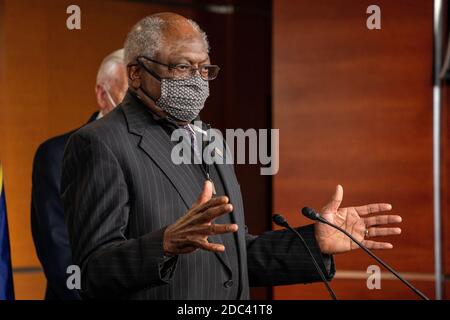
<point>145,38</point>
<point>106,71</point>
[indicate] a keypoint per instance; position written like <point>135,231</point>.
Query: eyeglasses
<point>207,72</point>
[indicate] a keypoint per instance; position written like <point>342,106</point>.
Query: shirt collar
<point>99,115</point>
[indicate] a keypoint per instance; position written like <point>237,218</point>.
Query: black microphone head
<point>310,213</point>
<point>279,220</point>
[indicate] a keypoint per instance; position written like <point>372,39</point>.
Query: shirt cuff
<point>167,267</point>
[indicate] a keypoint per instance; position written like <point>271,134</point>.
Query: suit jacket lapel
<point>234,193</point>
<point>157,145</point>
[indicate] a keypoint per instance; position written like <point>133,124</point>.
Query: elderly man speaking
<point>143,227</point>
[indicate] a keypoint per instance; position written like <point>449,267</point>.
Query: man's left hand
<point>357,222</point>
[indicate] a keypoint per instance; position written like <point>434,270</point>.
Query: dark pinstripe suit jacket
<point>120,189</point>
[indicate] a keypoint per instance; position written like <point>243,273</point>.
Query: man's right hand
<point>192,230</point>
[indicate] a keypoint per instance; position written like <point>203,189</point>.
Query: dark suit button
<point>228,284</point>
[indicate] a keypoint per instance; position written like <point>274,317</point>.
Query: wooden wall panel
<point>29,285</point>
<point>351,289</point>
<point>354,107</point>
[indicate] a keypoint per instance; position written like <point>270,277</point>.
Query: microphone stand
<point>311,214</point>
<point>282,222</point>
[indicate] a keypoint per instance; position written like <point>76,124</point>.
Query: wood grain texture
<point>29,286</point>
<point>350,289</point>
<point>354,107</point>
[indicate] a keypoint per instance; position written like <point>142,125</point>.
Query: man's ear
<point>134,75</point>
<point>100,95</point>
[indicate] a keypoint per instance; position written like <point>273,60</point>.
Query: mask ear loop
<point>111,100</point>
<point>150,71</point>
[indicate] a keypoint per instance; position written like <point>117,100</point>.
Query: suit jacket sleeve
<point>47,222</point>
<point>279,258</point>
<point>95,197</point>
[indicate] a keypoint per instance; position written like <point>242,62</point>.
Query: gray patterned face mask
<point>183,99</point>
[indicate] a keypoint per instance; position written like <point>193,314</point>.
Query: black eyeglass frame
<point>174,66</point>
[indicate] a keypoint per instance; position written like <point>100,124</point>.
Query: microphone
<point>313,215</point>
<point>310,214</point>
<point>279,220</point>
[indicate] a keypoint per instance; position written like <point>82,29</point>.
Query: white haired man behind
<point>112,82</point>
<point>47,216</point>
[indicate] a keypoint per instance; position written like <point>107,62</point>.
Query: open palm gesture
<point>358,221</point>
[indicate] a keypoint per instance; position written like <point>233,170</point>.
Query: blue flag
<point>6,276</point>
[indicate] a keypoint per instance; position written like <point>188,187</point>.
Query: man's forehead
<point>190,49</point>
